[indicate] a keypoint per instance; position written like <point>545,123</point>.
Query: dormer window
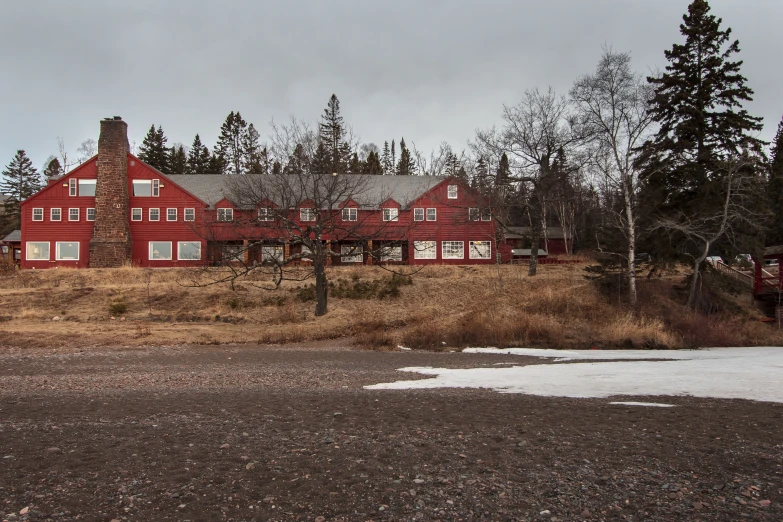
<point>306,214</point>
<point>391,214</point>
<point>266,214</point>
<point>350,214</point>
<point>87,187</point>
<point>225,214</point>
<point>452,191</point>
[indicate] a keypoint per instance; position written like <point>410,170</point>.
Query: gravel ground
<point>264,433</point>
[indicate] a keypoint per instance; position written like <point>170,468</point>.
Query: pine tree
<point>198,158</point>
<point>53,169</point>
<point>355,166</point>
<point>178,159</point>
<point>331,132</point>
<point>698,106</point>
<point>20,181</point>
<point>406,165</point>
<point>386,162</point>
<point>372,164</point>
<point>775,189</point>
<point>217,164</point>
<point>153,150</point>
<point>322,160</point>
<point>503,172</point>
<point>232,142</point>
<point>255,159</point>
<point>277,168</point>
<point>298,163</point>
<point>393,156</point>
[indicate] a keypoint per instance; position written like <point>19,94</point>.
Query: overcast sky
<point>430,71</point>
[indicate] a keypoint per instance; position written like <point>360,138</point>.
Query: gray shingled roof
<point>211,188</point>
<point>16,235</point>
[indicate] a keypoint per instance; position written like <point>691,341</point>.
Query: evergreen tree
<point>198,158</point>
<point>386,162</point>
<point>20,181</point>
<point>775,189</point>
<point>355,166</point>
<point>406,165</point>
<point>53,169</point>
<point>178,159</point>
<point>298,163</point>
<point>232,142</point>
<point>277,168</point>
<point>393,156</point>
<point>372,164</point>
<point>255,157</point>
<point>322,160</point>
<point>331,132</point>
<point>153,150</point>
<point>503,172</point>
<point>217,164</point>
<point>453,164</point>
<point>698,105</point>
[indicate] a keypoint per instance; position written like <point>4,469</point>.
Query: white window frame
<point>351,254</point>
<point>134,214</point>
<point>486,214</point>
<point>277,253</point>
<point>391,214</point>
<point>444,244</point>
<point>434,212</point>
<point>87,182</point>
<point>352,214</point>
<point>418,214</point>
<point>141,182</point>
<point>59,214</point>
<point>227,212</point>
<point>155,188</point>
<point>452,191</point>
<point>87,214</point>
<point>425,250</point>
<point>57,251</point>
<point>70,214</point>
<point>192,211</point>
<point>40,212</point>
<point>72,187</point>
<point>474,214</point>
<point>266,214</point>
<point>473,253</point>
<point>168,214</point>
<point>149,251</point>
<point>391,253</point>
<point>149,214</point>
<point>307,214</point>
<point>29,244</point>
<point>179,250</point>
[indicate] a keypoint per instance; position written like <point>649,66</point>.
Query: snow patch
<point>652,404</point>
<point>724,373</point>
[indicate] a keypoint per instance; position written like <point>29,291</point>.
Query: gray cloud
<point>430,71</point>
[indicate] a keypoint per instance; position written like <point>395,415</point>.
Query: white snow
<point>633,403</point>
<point>727,373</point>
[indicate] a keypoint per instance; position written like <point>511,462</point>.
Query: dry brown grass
<point>446,307</point>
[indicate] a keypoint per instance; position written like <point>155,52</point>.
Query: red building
<point>115,210</point>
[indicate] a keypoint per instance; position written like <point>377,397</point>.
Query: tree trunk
<point>321,287</point>
<point>535,234</point>
<point>696,280</point>
<point>630,222</point>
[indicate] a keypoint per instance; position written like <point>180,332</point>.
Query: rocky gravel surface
<point>259,433</point>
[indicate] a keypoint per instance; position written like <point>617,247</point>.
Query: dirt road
<point>260,433</point>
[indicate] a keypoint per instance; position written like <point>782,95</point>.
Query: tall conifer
<point>20,180</point>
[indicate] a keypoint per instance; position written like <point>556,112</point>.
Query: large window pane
<point>453,250</point>
<point>189,250</point>
<point>160,250</point>
<point>351,253</point>
<point>272,254</point>
<point>480,250</point>
<point>37,251</point>
<point>142,187</point>
<point>87,187</point>
<point>67,251</point>
<point>424,250</point>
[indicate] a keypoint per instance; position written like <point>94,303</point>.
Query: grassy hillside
<point>437,308</point>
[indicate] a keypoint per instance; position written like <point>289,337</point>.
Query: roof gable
<point>87,165</point>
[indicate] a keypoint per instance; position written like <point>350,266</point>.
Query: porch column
<point>757,281</point>
<point>369,252</point>
<point>245,252</point>
<point>328,253</point>
<point>286,250</point>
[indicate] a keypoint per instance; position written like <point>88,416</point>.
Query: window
<point>90,214</point>
<point>266,214</point>
<point>73,214</point>
<point>155,188</point>
<point>391,214</point>
<point>453,250</point>
<point>272,254</point>
<point>37,214</point>
<point>225,214</point>
<point>55,214</point>
<point>425,250</point>
<point>306,214</point>
<point>452,191</point>
<point>72,187</point>
<point>432,214</point>
<point>190,214</point>
<point>37,251</point>
<point>486,214</point>
<point>474,214</point>
<point>351,253</point>
<point>67,251</point>
<point>307,253</point>
<point>160,251</point>
<point>189,250</point>
<point>171,214</point>
<point>142,188</point>
<point>391,253</point>
<point>154,214</point>
<point>87,187</point>
<point>135,214</point>
<point>418,214</point>
<point>233,253</point>
<point>480,250</point>
<point>350,214</point>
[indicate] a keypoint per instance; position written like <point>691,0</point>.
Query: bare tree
<point>535,133</point>
<point>87,150</point>
<point>738,216</point>
<point>284,139</point>
<point>613,109</point>
<point>64,163</point>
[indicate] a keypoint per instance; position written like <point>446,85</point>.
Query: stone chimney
<point>110,245</point>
